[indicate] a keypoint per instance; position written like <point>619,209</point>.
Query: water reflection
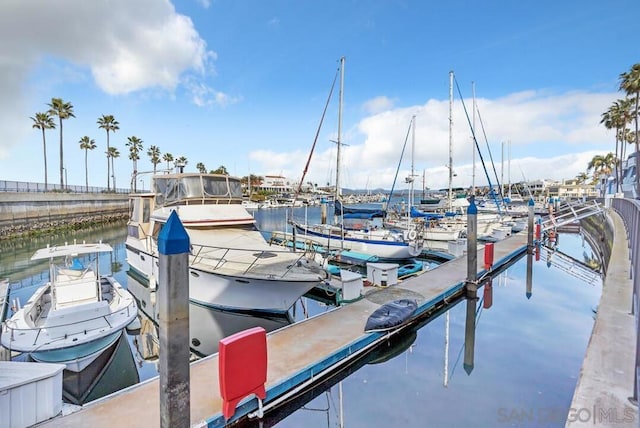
<point>206,325</point>
<point>524,353</point>
<point>113,370</point>
<point>527,350</point>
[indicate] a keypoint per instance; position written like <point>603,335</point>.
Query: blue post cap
<point>173,238</point>
<point>468,368</point>
<point>531,203</point>
<point>528,294</point>
<point>472,209</point>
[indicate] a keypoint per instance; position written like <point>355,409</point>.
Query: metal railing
<point>245,260</point>
<point>629,210</point>
<point>30,187</point>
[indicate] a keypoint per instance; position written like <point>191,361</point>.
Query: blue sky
<point>243,84</point>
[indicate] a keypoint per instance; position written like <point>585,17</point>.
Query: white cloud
<point>127,46</point>
<point>378,105</point>
<point>274,22</point>
<point>203,95</point>
<point>552,136</point>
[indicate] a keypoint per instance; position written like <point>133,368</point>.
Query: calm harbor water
<point>528,349</point>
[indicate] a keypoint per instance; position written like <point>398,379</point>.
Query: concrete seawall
<point>23,213</point>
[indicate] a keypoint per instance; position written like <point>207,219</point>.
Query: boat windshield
<point>172,189</point>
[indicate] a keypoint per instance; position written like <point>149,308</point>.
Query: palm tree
<point>201,168</point>
<point>44,121</point>
<point>112,154</point>
<point>109,124</point>
<point>602,166</point>
<point>64,110</point>
<point>86,144</point>
<point>135,147</point>
<point>168,157</point>
<point>617,118</point>
<point>582,177</point>
<point>221,170</point>
<point>630,84</point>
<point>154,154</point>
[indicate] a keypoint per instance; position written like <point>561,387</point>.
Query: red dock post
<point>488,255</point>
<point>242,368</point>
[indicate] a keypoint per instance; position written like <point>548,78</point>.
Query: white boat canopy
<point>71,250</point>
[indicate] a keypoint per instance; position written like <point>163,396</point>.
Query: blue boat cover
<point>367,216</point>
<point>429,216</point>
<point>340,209</point>
<point>391,315</point>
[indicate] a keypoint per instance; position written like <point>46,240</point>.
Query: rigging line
<point>491,157</point>
<point>525,183</point>
<point>473,133</point>
<point>406,138</point>
<point>315,140</point>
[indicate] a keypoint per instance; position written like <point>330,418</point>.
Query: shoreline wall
<point>25,213</point>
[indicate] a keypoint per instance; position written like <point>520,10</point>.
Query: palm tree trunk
<point>44,148</point>
<point>86,170</point>
<point>135,175</point>
<point>108,165</point>
<point>617,164</point>
<point>637,148</point>
<point>61,158</point>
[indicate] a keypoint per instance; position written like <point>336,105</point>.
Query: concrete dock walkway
<point>295,353</point>
<point>601,397</point>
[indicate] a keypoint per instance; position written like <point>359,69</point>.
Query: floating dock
<point>299,355</point>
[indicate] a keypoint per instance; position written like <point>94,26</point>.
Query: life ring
<point>412,235</point>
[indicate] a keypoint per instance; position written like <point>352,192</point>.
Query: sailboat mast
<point>413,151</point>
<point>339,140</point>
<point>450,139</point>
<point>502,189</point>
<point>509,167</point>
<point>473,133</point>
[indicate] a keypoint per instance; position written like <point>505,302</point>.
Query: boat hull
<point>237,293</point>
<point>77,358</point>
<point>382,249</point>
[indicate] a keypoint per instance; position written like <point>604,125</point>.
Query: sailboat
<point>486,222</point>
<point>423,224</point>
<point>360,235</point>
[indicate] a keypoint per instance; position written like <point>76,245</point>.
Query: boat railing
<point>246,259</point>
<point>7,327</point>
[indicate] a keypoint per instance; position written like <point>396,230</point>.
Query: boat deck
<point>296,353</point>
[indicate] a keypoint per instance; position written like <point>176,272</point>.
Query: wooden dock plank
<point>305,345</point>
